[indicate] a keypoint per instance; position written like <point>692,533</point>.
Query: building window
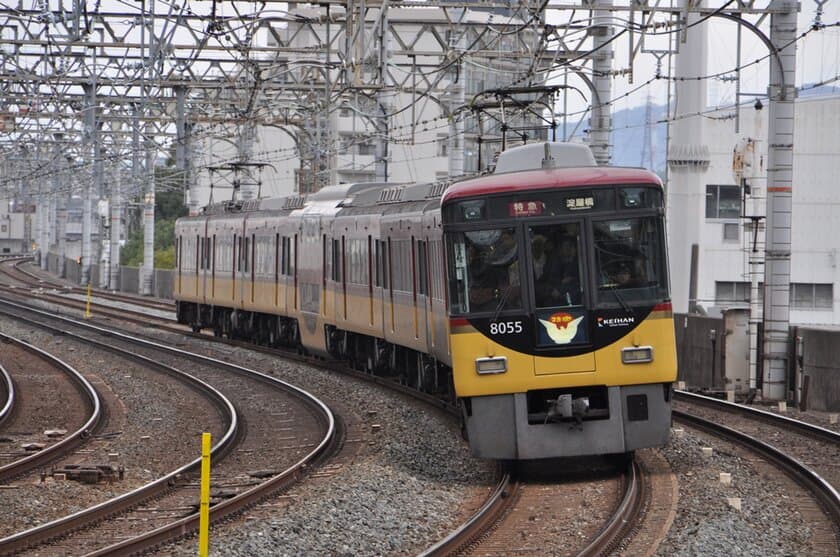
<point>802,295</point>
<point>731,231</point>
<point>442,145</point>
<point>366,148</point>
<point>811,296</point>
<point>723,202</point>
<point>729,292</point>
<point>4,227</point>
<point>345,112</point>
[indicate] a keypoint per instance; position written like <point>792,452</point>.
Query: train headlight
<point>637,355</point>
<point>487,366</point>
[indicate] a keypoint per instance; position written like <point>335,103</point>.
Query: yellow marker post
<point>204,502</point>
<point>87,305</point>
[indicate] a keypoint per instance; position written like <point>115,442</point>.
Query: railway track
<point>500,500</point>
<point>508,521</point>
<point>13,268</point>
<point>7,395</point>
<point>70,442</point>
<point>172,529</point>
<point>804,452</point>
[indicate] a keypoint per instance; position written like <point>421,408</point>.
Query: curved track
<point>499,500</point>
<point>181,527</point>
<point>71,441</point>
<point>7,389</point>
<point>820,489</point>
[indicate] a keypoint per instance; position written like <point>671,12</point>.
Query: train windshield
<point>630,261</point>
<point>556,261</point>
<point>484,271</point>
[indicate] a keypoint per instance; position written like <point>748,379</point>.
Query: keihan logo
<point>615,321</point>
<point>561,327</point>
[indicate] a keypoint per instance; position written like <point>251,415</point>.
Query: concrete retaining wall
<point>820,364</point>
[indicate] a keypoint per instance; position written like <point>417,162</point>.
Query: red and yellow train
<point>537,298</point>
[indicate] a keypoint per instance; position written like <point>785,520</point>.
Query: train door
<point>379,284</point>
<point>251,265</point>
<point>197,275</point>
<point>389,288</point>
<point>343,278</point>
<point>331,280</point>
<point>179,261</point>
<point>370,274</point>
<point>427,255</point>
<point>277,267</point>
<point>213,268</point>
<point>558,282</point>
<point>234,264</point>
<point>290,272</point>
<point>421,290</point>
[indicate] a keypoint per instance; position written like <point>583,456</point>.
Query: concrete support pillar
<point>781,93</point>
<point>600,123</point>
<point>61,218</point>
<point>147,283</point>
<point>456,101</point>
<point>116,228</point>
<point>91,152</point>
<point>688,162</point>
<point>382,97</point>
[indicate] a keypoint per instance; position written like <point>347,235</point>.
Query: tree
<point>169,206</point>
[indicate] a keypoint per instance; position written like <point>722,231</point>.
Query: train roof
<point>548,178</point>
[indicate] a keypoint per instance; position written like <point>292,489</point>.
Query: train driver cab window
<point>556,262</point>
<point>484,271</point>
<point>630,259</point>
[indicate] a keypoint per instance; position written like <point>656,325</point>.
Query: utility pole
<point>781,93</point>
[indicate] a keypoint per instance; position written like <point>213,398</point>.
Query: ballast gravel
<point>401,493</point>
<point>706,524</point>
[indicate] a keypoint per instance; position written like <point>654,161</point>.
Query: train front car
<point>561,329</point>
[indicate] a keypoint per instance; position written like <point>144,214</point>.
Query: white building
<point>724,239</point>
<point>13,230</point>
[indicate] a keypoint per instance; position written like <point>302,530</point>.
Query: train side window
<point>335,271</point>
<point>246,253</point>
<point>379,263</point>
<point>178,253</point>
<point>422,271</point>
<point>484,271</point>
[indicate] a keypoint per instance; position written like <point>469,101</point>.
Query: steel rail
<point>821,489</point>
<point>100,308</point>
<point>98,292</point>
<point>9,389</point>
<point>477,525</point>
<point>621,521</point>
<point>71,441</point>
<point>764,415</point>
<point>236,504</point>
<point>44,532</point>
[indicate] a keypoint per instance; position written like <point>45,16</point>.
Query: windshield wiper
<point>620,299</point>
<point>502,302</point>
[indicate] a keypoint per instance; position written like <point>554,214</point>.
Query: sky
<point>818,59</point>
